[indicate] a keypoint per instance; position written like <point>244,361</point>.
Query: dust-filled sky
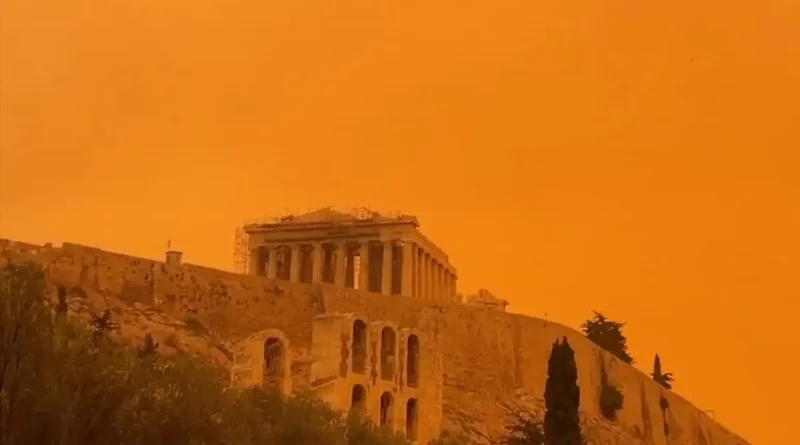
<point>634,157</point>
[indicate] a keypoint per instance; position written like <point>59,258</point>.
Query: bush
<point>195,326</point>
<point>611,400</point>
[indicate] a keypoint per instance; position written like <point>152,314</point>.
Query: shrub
<point>611,400</point>
<point>195,326</point>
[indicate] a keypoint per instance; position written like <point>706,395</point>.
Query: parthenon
<point>367,251</point>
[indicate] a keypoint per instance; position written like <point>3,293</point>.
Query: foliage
<point>608,335</point>
<point>448,437</point>
<point>663,379</point>
<point>562,397</point>
<point>64,384</point>
<point>611,398</point>
<point>149,348</point>
<point>524,430</point>
<point>195,326</point>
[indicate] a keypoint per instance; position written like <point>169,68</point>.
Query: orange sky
<point>632,157</point>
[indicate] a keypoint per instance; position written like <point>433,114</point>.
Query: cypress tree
<point>562,397</point>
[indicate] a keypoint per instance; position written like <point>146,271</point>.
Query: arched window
<point>274,359</point>
<point>388,354</point>
<point>359,346</point>
<point>387,410</point>
<point>358,403</point>
<point>412,416</point>
<point>412,361</point>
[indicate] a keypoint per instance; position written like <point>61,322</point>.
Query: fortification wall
<point>491,359</point>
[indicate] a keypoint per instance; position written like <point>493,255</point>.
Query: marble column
<point>386,268</point>
<point>406,288</point>
<point>445,284</point>
<point>428,276</point>
<point>294,268</point>
<point>317,258</point>
<point>272,262</point>
<point>419,272</point>
<point>363,266</point>
<point>341,265</point>
<point>254,267</point>
<point>453,288</point>
<point>435,284</point>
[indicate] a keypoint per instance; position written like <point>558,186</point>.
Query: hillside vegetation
<point>63,382</point>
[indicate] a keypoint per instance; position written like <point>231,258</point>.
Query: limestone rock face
<point>475,363</point>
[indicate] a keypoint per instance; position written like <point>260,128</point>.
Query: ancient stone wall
<point>491,360</point>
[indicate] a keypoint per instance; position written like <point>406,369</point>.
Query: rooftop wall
<point>491,360</point>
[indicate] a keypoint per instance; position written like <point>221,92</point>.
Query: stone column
<point>406,288</point>
<point>317,258</point>
<point>386,269</point>
<point>445,284</point>
<point>435,283</point>
<point>363,266</point>
<point>428,276</point>
<point>255,261</point>
<point>421,274</point>
<point>272,263</point>
<point>294,268</point>
<point>341,265</point>
<point>453,288</point>
<point>442,284</point>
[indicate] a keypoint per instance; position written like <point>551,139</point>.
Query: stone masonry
<point>415,365</point>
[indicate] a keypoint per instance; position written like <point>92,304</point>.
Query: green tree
<point>608,335</point>
<point>663,379</point>
<point>149,348</point>
<point>562,397</point>
<point>524,430</point>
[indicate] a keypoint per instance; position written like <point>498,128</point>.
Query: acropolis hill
<point>363,311</point>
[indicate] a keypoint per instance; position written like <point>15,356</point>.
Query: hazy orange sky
<point>636,158</point>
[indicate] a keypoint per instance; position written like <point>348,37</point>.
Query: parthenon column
<point>256,258</point>
<point>294,269</point>
<point>435,283</point>
<point>453,288</point>
<point>418,272</point>
<point>424,275</point>
<point>386,268</point>
<point>272,262</point>
<point>316,268</point>
<point>443,280</point>
<point>363,266</point>
<point>445,284</point>
<point>406,288</point>
<point>341,264</point>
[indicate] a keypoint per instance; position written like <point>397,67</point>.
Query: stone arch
<point>412,419</point>
<point>359,346</point>
<point>274,361</point>
<point>264,359</point>
<point>387,411</point>
<point>358,400</point>
<point>412,361</point>
<point>388,353</point>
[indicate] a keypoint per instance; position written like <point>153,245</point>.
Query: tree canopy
<point>608,335</point>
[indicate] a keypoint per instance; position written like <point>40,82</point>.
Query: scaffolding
<point>241,252</point>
